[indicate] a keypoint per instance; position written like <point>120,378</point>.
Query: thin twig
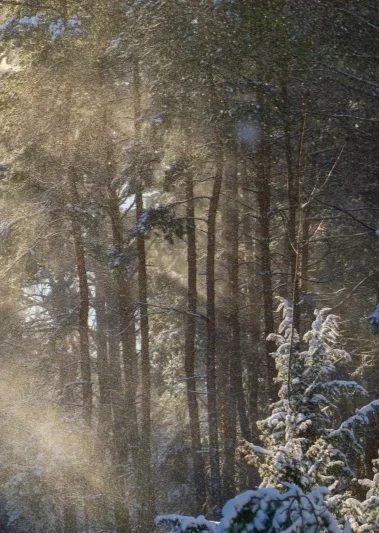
<point>170,308</point>
<point>346,212</point>
<point>354,289</point>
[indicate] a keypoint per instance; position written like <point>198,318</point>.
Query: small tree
<point>305,462</point>
<point>297,433</point>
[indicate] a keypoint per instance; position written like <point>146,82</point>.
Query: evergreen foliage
<point>166,169</point>
<point>305,464</point>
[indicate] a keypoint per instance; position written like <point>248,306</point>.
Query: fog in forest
<point>189,289</point>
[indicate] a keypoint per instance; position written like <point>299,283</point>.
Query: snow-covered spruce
<point>264,510</point>
<point>306,465</point>
<point>297,431</point>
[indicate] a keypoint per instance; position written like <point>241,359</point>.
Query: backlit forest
<point>189,274</point>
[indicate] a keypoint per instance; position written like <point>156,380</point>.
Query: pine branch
<point>354,289</point>
<point>346,212</point>
<point>171,308</point>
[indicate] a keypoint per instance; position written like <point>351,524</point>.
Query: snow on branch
<point>186,523</point>
<point>336,386</point>
<point>361,418</point>
<point>265,509</point>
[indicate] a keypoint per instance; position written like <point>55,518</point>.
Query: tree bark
<point>293,198</point>
<point>233,397</point>
<point>232,234</point>
<point>85,361</point>
<point>104,425</point>
<point>120,445</point>
<point>215,481</point>
<point>252,316</point>
<point>190,348</point>
<point>263,186</point>
<point>125,415</point>
<point>147,502</point>
<point>231,351</point>
<point>70,179</point>
<point>127,333</point>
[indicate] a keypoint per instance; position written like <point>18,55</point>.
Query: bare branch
<point>170,308</point>
<point>346,212</point>
<point>354,289</point>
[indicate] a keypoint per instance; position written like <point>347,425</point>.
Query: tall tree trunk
<point>85,361</point>
<point>293,198</point>
<point>307,307</point>
<point>252,311</point>
<point>233,397</point>
<point>263,187</point>
<point>98,508</point>
<point>294,176</point>
<point>214,109</point>
<point>71,183</point>
<point>120,437</point>
<point>231,350</point>
<point>215,481</point>
<point>120,440</point>
<point>104,426</point>
<point>190,348</point>
<point>121,331</point>
<point>148,504</point>
<point>67,375</point>
<point>252,327</point>
<point>126,425</point>
<point>127,333</point>
<point>232,234</point>
<point>305,236</point>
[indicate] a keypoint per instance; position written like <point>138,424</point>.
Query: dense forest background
<point>168,169</point>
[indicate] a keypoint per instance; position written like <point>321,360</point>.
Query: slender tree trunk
<point>305,250</point>
<point>84,348</point>
<point>293,197</point>
<point>120,437</point>
<point>124,402</point>
<point>233,396</point>
<point>148,504</point>
<point>120,440</point>
<point>147,483</point>
<point>127,334</point>
<point>67,374</point>
<point>294,174</point>
<point>252,327</point>
<point>126,425</point>
<point>214,453</point>
<point>252,316</point>
<point>104,426</point>
<point>231,352</point>
<point>121,331</point>
<point>233,227</point>
<point>85,361</point>
<point>215,481</point>
<point>98,508</point>
<point>190,348</point>
<point>263,187</point>
<point>307,306</point>
<point>70,179</point>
